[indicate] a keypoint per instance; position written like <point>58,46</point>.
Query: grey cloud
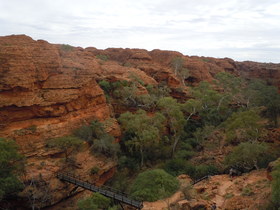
<point>241,29</point>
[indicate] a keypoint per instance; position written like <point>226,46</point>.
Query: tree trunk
<point>142,158</point>
<point>176,140</point>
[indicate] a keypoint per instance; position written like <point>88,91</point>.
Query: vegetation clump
<point>153,185</point>
<point>68,144</point>
<point>95,202</point>
<point>66,47</point>
<point>100,141</point>
<point>102,57</point>
<point>247,156</point>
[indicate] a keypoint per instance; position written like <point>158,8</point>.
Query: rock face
<point>248,191</point>
<point>49,90</point>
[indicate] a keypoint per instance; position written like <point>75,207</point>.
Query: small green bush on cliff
<point>102,57</point>
<point>66,47</point>
<point>153,185</point>
<point>68,144</point>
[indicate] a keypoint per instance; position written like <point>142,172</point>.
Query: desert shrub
<point>121,181</point>
<point>106,87</point>
<point>66,47</point>
<point>95,202</point>
<point>84,132</point>
<point>204,170</point>
<point>243,126</point>
<point>94,170</point>
<point>184,154</point>
<point>106,145</point>
<point>175,167</point>
<point>247,156</point>
<point>68,144</point>
<point>247,191</point>
<point>128,162</point>
<point>96,136</point>
<point>187,191</point>
<point>102,57</point>
<point>153,185</point>
<point>178,166</point>
<point>94,130</point>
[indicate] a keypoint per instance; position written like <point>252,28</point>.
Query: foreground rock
<point>249,191</point>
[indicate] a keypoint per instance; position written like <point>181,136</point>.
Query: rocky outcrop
<point>248,191</point>
<point>265,71</point>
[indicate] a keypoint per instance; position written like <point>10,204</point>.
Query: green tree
<point>95,202</point>
<point>145,131</point>
<point>175,119</point>
<point>94,130</point>
<point>244,126</point>
<point>266,96</point>
<point>234,88</point>
<point>100,141</point>
<point>106,145</point>
<point>11,165</point>
<point>204,133</point>
<point>153,185</point>
<point>179,69</point>
<point>248,155</point>
<point>214,106</point>
<point>68,144</point>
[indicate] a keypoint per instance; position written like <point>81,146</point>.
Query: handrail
<point>201,179</point>
<point>106,191</point>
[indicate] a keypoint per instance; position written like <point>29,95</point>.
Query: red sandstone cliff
<point>48,90</point>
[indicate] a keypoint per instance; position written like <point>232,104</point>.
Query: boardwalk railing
<point>201,179</point>
<point>106,191</point>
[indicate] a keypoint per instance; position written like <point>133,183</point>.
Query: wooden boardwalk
<point>106,191</point>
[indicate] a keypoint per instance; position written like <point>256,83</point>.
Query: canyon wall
<point>48,90</point>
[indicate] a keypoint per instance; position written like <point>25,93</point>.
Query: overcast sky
<point>239,29</point>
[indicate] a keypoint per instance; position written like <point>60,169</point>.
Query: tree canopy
<point>247,156</point>
<point>153,185</point>
<point>145,130</point>
<point>68,144</point>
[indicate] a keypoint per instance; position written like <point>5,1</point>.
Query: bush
<point>175,167</point>
<point>128,162</point>
<point>102,57</point>
<point>204,170</point>
<point>247,156</point>
<point>94,170</point>
<point>184,154</point>
<point>106,87</point>
<point>106,145</point>
<point>84,132</point>
<point>95,202</point>
<point>66,47</point>
<point>153,185</point>
<point>68,144</point>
